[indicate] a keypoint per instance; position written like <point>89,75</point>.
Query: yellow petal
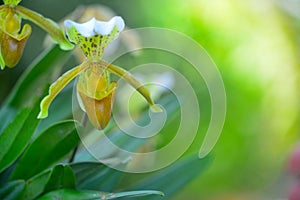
<point>57,86</point>
<point>128,77</point>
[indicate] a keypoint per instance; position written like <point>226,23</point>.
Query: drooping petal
<point>133,82</point>
<point>57,86</point>
<point>56,33</point>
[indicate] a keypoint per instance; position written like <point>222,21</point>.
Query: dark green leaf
<point>12,190</point>
<point>55,179</point>
<point>95,176</point>
<point>58,177</point>
<point>69,180</point>
<point>130,194</point>
<point>36,185</point>
<point>173,178</point>
<point>95,195</point>
<point>6,116</point>
<point>42,72</point>
<point>52,145</point>
<point>31,85</point>
<point>10,133</point>
<point>61,177</point>
<point>16,136</point>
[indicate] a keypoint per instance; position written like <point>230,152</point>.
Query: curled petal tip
<point>155,108</point>
<point>42,115</point>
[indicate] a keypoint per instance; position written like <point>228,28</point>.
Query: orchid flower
<point>95,91</point>
<point>13,37</point>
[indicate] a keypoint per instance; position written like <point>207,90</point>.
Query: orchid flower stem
<point>83,124</point>
<point>54,30</point>
<point>73,154</point>
<point>127,76</point>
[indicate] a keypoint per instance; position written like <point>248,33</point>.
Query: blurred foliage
<point>255,45</point>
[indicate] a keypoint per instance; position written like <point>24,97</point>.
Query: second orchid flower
<point>13,37</point>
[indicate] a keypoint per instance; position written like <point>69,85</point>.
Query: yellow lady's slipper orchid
<point>95,90</point>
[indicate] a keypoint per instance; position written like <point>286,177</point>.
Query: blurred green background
<point>255,45</point>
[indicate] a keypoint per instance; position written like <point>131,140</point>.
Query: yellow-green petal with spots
<point>128,77</point>
<point>57,86</point>
<point>54,30</point>
<point>12,2</point>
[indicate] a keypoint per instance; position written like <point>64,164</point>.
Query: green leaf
<point>130,194</point>
<point>58,177</point>
<point>61,177</point>
<point>173,178</point>
<point>6,116</point>
<point>95,195</point>
<point>34,80</point>
<point>16,136</point>
<point>10,133</point>
<point>51,146</point>
<point>36,185</point>
<point>95,176</point>
<point>12,190</point>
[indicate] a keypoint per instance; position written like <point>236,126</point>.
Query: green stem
<point>48,25</point>
<point>83,123</point>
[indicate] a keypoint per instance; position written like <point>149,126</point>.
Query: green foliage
<point>56,142</point>
<point>12,190</point>
<point>181,172</point>
<point>77,194</point>
<point>33,161</point>
<point>16,136</point>
<point>95,176</point>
